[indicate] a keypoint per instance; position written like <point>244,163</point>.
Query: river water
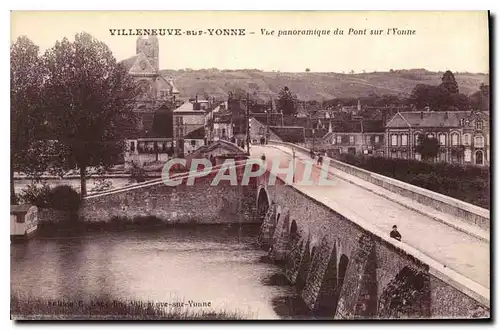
<point>217,264</point>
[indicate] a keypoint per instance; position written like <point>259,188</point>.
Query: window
<point>462,122</point>
<point>20,218</point>
<point>454,139</point>
<point>404,140</point>
<point>479,124</point>
<point>417,139</point>
<point>394,140</point>
<point>132,146</point>
<point>339,139</point>
<point>377,139</point>
<point>223,132</point>
<point>479,141</point>
<point>442,156</point>
<point>351,139</point>
<point>368,139</point>
<point>467,155</point>
<point>442,139</point>
<point>193,143</point>
<point>466,139</point>
<point>333,140</point>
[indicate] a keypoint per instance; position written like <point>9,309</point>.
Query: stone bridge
<point>335,246</point>
<point>333,241</point>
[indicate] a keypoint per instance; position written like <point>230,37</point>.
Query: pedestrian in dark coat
<point>395,233</point>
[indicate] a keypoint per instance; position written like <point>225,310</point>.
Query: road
<point>456,249</point>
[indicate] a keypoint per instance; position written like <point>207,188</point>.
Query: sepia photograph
<point>250,165</point>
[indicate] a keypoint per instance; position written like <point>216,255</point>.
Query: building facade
<point>463,136</point>
<point>188,118</point>
<point>356,137</point>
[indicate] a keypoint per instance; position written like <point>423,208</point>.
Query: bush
<point>63,197</point>
<point>468,183</point>
<point>35,194</point>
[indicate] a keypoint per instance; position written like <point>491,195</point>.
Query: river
<point>216,264</point>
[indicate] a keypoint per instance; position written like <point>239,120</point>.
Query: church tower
<point>149,46</point>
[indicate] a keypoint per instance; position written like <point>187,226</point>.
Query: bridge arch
<point>263,203</point>
<point>293,228</point>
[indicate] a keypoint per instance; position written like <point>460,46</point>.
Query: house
<point>187,118</point>
<point>463,136</point>
<point>220,128</point>
<point>218,151</point>
<point>357,137</point>
<point>193,140</point>
<point>289,134</point>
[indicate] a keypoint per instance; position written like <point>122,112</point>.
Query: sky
<point>437,41</point>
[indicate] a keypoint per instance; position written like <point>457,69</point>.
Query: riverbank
<point>23,308</point>
<point>76,227</point>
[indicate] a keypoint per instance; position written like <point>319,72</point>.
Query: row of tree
<point>68,107</point>
<point>442,97</point>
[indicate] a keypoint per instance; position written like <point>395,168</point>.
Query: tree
<point>27,119</point>
<point>436,97</point>
<point>90,98</point>
<point>287,101</point>
<point>308,70</point>
<point>428,148</point>
<point>449,82</point>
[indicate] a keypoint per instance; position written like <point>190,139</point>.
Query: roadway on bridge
<point>459,251</point>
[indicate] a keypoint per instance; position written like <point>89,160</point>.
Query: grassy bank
<point>470,184</point>
<point>23,308</point>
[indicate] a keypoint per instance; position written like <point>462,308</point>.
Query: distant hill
<point>312,85</point>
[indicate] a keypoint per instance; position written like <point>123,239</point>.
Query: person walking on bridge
<point>395,233</point>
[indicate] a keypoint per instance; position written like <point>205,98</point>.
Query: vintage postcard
<point>250,165</point>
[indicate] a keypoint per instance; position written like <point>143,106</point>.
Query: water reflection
<point>217,264</point>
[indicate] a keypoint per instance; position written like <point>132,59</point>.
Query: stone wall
<point>199,203</point>
<point>345,271</point>
<point>52,215</point>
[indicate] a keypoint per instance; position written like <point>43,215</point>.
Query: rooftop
<point>432,118</point>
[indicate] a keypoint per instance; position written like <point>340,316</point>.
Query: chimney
<point>421,115</point>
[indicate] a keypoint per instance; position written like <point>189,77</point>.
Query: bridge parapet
<point>463,211</point>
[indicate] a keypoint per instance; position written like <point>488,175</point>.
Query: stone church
<point>144,67</point>
<point>156,100</point>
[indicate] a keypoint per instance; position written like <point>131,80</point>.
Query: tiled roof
<point>429,119</point>
<point>188,106</point>
<point>272,119</point>
<point>197,134</point>
<point>289,133</point>
<point>318,133</point>
<point>346,126</point>
<point>296,121</point>
<point>129,62</point>
<point>373,126</point>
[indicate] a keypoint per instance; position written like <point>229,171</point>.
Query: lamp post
<point>267,126</point>
<point>248,123</point>
<point>293,160</point>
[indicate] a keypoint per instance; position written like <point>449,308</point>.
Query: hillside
<point>312,85</point>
